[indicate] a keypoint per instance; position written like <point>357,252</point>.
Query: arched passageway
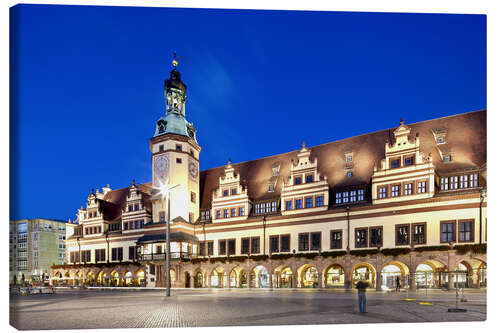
<point>363,272</point>
<point>199,279</point>
<point>393,272</point>
<point>283,277</point>
<point>308,276</point>
<point>334,276</point>
<point>218,278</point>
<point>259,277</point>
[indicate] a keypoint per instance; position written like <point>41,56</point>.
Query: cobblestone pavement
<point>74,309</point>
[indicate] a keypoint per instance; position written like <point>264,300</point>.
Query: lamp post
<point>165,192</point>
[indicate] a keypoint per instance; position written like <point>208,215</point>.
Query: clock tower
<point>175,155</point>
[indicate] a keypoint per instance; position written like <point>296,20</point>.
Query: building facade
<point>407,202</point>
<point>34,246</point>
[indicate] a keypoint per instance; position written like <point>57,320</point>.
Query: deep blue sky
<point>87,86</point>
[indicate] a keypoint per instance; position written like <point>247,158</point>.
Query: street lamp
<point>165,192</point>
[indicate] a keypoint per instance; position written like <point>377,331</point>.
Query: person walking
<point>398,284</point>
<point>361,286</point>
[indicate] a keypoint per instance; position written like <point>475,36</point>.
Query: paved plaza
<point>73,309</point>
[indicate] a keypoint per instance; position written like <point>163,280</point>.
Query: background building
<point>34,246</point>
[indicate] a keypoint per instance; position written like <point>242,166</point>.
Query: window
<point>298,203</point>
<point>409,189</point>
<point>117,254</point>
<point>349,174</point>
<point>464,181</point>
<point>162,148</point>
<point>288,205</point>
<point>447,232</point>
<point>285,243</point>
<point>474,180</point>
<point>231,247</point>
<point>304,242</point>
<point>338,198</point>
<point>245,246</point>
<point>193,197</point>
<point>447,158</point>
<point>348,158</point>
<point>162,216</point>
<point>375,236</point>
<point>395,190</point>
<point>86,256</point>
<point>242,211</point>
<point>440,139</point>
<point>255,245</point>
<point>422,187</point>
<point>298,180</point>
<point>444,184</point>
<point>268,207</point>
<point>271,188</point>
<point>136,206</point>
<point>410,160</point>
<point>382,192</point>
<point>205,215</point>
<point>353,196</point>
<point>309,202</point>
<point>225,193</point>
<point>100,255</point>
<point>158,249</point>
<point>319,201</point>
<point>345,197</point>
<point>466,231</point>
<point>315,241</point>
<point>453,183</point>
<point>402,234</point>
<point>225,213</point>
<point>217,214</point>
<point>178,160</point>
<point>125,226</point>
<point>233,191</point>
<point>233,212</point>
<point>336,239</point>
<point>210,247</point>
<point>274,243</point>
<point>178,147</point>
<point>361,195</point>
<point>395,163</point>
<point>274,206</point>
<point>201,249</point>
<point>309,178</point>
<point>222,247</point>
<point>419,234</point>
<point>131,252</point>
<point>361,237</point>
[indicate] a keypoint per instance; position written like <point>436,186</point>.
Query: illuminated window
<point>353,196</point>
<point>444,184</point>
<point>464,181</point>
<point>345,197</point>
<point>242,211</point>
<point>225,213</point>
<point>349,174</point>
<point>408,189</point>
<point>447,158</point>
<point>402,235</point>
<point>361,195</point>
<point>319,201</point>
<point>395,190</point>
<point>419,234</point>
<point>288,205</point>
<point>233,212</point>
<point>453,183</point>
<point>361,237</point>
<point>474,180</point>
<point>422,187</point>
<point>336,239</point>
<point>338,198</point>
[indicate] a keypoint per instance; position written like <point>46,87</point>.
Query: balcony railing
<point>162,256</point>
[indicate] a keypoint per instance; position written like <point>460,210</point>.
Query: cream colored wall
<point>388,222</point>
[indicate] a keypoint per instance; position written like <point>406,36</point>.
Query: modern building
<point>34,246</point>
<point>407,202</point>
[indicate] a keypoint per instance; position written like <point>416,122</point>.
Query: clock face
<point>193,170</point>
<point>160,170</point>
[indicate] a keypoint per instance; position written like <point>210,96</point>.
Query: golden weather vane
<point>175,62</point>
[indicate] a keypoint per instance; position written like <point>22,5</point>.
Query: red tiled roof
<point>466,137</point>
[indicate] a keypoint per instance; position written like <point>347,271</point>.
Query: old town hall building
<point>406,202</point>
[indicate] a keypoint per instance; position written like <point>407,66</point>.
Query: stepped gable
<point>465,138</point>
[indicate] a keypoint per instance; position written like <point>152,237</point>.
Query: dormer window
<point>309,178</point>
<point>447,158</point>
<point>395,163</point>
<point>349,174</point>
<point>348,158</point>
<point>409,160</point>
<point>440,140</point>
<point>298,180</point>
<point>271,188</point>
